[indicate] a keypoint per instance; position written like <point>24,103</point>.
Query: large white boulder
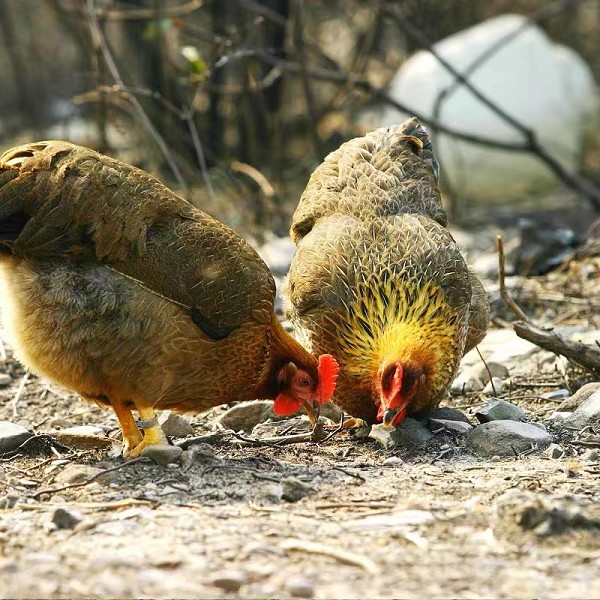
<point>547,87</point>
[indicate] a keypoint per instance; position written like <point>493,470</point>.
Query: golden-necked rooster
<point>120,290</point>
<point>378,281</point>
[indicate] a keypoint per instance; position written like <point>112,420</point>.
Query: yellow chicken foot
<point>153,434</point>
<point>132,436</point>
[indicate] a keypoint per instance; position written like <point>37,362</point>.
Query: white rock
<point>12,436</point>
<point>494,386</point>
<point>546,86</point>
<point>587,413</point>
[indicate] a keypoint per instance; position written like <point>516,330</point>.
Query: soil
<point>337,519</point>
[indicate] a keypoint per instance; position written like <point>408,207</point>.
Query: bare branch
<point>99,39</point>
<point>585,187</point>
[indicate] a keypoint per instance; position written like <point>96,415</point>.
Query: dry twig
<point>93,478</point>
<point>345,556</point>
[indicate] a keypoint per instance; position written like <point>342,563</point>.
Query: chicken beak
<point>388,417</point>
<point>313,410</point>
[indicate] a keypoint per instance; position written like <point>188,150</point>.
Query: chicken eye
<point>304,382</point>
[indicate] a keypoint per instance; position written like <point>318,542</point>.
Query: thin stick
<point>17,396</point>
<point>488,370</point>
<point>501,278</point>
<point>99,38</point>
<point>128,463</point>
<point>344,556</point>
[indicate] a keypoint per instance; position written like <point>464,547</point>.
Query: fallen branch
<point>583,354</point>
<point>502,282</point>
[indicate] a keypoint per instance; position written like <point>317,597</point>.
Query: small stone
<point>198,454</point>
<point>559,415</point>
<point>247,415</point>
<point>65,519</point>
<point>586,414</point>
<point>450,414</point>
<point>500,410</point>
<point>496,369</point>
<point>466,383</point>
<point>272,492</point>
<point>175,425</point>
<point>582,394</point>
<point>163,454</point>
<point>493,387</point>
<point>59,423</point>
<point>556,395</point>
<point>83,437</point>
<point>332,411</point>
<point>9,501</point>
<point>554,451</point>
<point>293,489</point>
<point>229,581</point>
<point>506,438</point>
<point>459,427</point>
<point>382,435</point>
<point>590,455</point>
<point>12,436</point>
<point>5,379</point>
<point>298,587</point>
<point>392,461</point>
<point>74,473</point>
<point>410,433</point>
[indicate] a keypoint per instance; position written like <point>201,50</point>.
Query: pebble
<point>499,410</point>
<point>229,581</point>
<point>299,587</point>
<point>392,461</point>
<point>459,427</point>
<point>163,454</point>
<point>12,436</point>
<point>175,425</point>
<point>582,394</point>
<point>591,455</point>
<point>247,415</point>
<point>558,415</point>
<point>586,414</point>
<point>554,451</point>
<point>409,434</point>
<point>505,438</point>
<point>5,379</point>
<point>200,453</point>
<point>556,395</point>
<point>65,519</point>
<point>496,369</point>
<point>293,489</point>
<point>272,492</point>
<point>450,414</point>
<point>83,437</point>
<point>74,473</point>
<point>466,383</point>
<point>59,423</point>
<point>493,387</point>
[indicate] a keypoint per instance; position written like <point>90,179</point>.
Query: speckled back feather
<point>376,275</point>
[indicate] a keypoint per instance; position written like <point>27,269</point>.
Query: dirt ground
<point>339,519</point>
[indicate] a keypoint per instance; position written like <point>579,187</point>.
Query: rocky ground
<point>495,495</point>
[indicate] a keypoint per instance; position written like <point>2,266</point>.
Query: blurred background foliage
<point>230,102</point>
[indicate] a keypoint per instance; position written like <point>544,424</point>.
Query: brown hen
<point>122,291</point>
<point>377,279</point>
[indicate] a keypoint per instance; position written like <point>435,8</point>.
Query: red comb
<point>328,370</point>
<point>285,404</point>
